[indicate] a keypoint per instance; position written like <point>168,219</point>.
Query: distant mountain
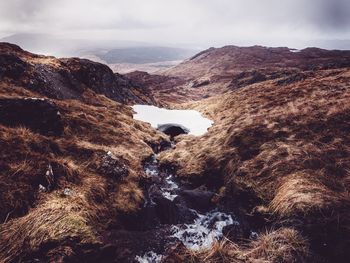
<point>111,51</point>
<point>121,56</point>
<point>343,44</point>
<point>229,60</point>
<point>41,43</point>
<point>218,70</point>
<point>141,55</point>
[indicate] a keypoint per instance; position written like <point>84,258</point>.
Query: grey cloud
<point>204,22</point>
<point>20,10</point>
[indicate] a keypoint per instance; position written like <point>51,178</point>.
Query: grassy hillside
<point>281,153</point>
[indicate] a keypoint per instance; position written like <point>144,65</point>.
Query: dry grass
<point>287,145</point>
<point>282,245</point>
<point>56,219</point>
<point>93,127</point>
<point>303,194</point>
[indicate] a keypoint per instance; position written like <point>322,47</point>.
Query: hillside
<point>82,181</point>
<point>71,158</point>
<point>218,70</point>
<point>280,152</point>
<point>65,78</point>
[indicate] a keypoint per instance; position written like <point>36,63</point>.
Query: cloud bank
<point>181,22</point>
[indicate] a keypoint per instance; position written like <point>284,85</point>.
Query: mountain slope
<point>65,78</point>
<point>280,151</point>
<point>218,70</point>
<point>70,158</point>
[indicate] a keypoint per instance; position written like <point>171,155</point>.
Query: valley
<point>237,154</point>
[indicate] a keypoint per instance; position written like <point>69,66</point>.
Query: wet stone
<point>187,212</point>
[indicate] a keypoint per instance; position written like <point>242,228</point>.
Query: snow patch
<point>191,119</point>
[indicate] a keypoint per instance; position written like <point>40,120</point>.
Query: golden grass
<point>93,127</point>
<point>302,194</point>
<point>56,219</point>
<point>287,145</point>
<point>282,245</point>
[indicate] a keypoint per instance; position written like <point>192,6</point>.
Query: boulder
<point>173,129</point>
<point>166,210</point>
<point>199,198</point>
<point>112,167</point>
<point>39,115</point>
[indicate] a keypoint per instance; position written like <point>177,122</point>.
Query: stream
<point>199,227</point>
<point>177,211</point>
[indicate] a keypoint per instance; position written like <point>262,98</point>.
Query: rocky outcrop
<point>66,78</point>
<point>11,66</point>
<point>112,167</point>
<point>39,115</point>
<point>199,83</point>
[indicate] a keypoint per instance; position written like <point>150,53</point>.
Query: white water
<point>149,257</point>
<point>204,231</point>
<point>167,191</point>
<point>191,119</point>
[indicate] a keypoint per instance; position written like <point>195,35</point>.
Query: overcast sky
<point>201,23</point>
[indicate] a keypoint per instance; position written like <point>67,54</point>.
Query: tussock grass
<point>282,245</point>
<point>56,219</point>
<point>302,194</point>
<point>289,146</point>
<point>30,219</point>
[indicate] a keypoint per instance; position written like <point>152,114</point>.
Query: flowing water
<point>202,228</point>
<point>201,232</point>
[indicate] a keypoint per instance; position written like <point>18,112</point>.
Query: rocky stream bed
<point>176,212</point>
<point>186,215</point>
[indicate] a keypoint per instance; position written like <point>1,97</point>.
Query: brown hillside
<point>282,153</point>
<point>60,192</point>
<point>218,70</point>
<point>65,78</point>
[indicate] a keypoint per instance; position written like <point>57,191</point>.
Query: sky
<point>194,23</point>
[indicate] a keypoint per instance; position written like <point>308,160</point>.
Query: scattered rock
<point>67,192</point>
<point>161,146</point>
<point>247,78</point>
<point>235,232</point>
<point>112,167</point>
<point>166,210</point>
<point>291,79</point>
<point>39,115</point>
<point>42,188</point>
<point>50,178</point>
<point>254,235</point>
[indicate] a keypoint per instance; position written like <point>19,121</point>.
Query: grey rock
<point>113,167</point>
